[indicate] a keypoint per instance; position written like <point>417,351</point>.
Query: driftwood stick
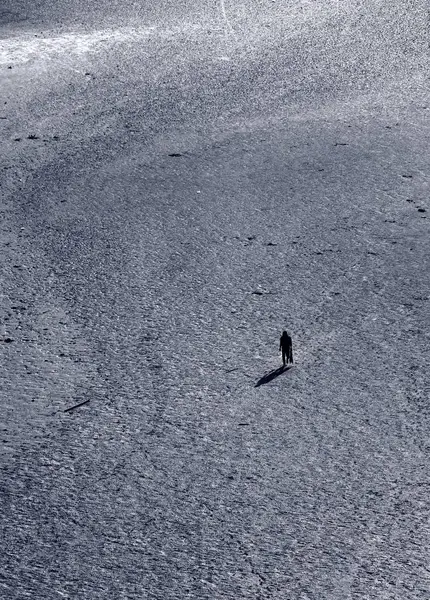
<point>76,406</point>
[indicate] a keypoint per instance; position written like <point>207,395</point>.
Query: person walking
<point>286,345</point>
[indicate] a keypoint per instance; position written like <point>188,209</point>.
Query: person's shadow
<point>272,375</point>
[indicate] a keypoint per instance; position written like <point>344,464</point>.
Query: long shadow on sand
<point>271,375</point>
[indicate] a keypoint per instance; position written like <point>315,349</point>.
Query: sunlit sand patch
<point>26,47</point>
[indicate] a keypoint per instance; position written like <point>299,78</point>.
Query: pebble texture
<point>179,185</point>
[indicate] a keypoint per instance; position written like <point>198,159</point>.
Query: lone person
<point>286,345</point>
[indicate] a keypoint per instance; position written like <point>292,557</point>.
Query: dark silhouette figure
<point>286,345</point>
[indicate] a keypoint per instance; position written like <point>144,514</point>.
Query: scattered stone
<point>407,176</point>
<point>32,137</point>
<point>17,139</point>
<point>341,144</point>
<point>258,293</point>
<point>175,154</point>
<point>10,67</point>
<point>422,210</point>
<point>8,340</point>
<point>271,244</point>
<point>251,237</point>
